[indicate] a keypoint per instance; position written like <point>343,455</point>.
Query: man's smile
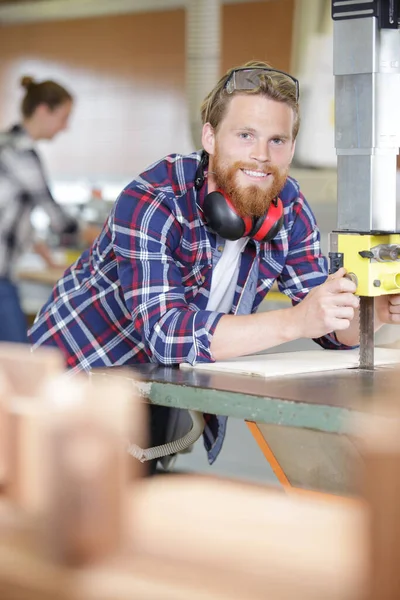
<point>255,174</point>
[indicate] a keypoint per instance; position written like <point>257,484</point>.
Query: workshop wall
<point>127,73</point>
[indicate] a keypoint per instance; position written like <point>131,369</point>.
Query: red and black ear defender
<point>221,215</point>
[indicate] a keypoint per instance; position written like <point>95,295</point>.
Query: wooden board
<point>292,363</point>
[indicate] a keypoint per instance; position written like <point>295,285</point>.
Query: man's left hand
<point>387,309</point>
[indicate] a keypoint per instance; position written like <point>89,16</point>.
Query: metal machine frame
<point>366,54</point>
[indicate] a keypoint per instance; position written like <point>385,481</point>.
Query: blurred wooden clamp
<point>381,451</point>
<point>24,374</point>
<point>84,434</point>
<point>86,441</point>
<point>26,370</point>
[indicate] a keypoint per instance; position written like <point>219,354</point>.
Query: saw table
<point>304,424</point>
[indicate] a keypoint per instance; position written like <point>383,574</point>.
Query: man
<point>163,284</point>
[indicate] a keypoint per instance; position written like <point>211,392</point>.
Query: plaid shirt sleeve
<point>305,266</point>
<point>145,232</point>
<point>25,169</point>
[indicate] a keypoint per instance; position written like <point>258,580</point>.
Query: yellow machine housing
<point>373,277</point>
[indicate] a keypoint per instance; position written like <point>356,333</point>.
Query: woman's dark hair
<point>46,92</point>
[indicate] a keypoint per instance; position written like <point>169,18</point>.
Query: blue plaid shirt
<point>140,293</point>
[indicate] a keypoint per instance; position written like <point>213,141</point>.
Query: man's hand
<point>387,309</point>
<point>328,307</point>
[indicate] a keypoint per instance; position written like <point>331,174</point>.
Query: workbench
<point>305,425</point>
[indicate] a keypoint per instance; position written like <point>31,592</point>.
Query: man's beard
<point>251,200</point>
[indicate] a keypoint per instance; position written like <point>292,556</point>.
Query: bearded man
<point>193,245</point>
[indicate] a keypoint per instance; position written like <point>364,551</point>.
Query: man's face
<point>251,151</point>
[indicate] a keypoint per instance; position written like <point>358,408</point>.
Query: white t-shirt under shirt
<point>223,284</point>
<point>225,275</point>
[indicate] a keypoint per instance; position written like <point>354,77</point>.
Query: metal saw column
<point>366,63</point>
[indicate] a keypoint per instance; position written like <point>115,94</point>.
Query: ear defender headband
<point>222,217</point>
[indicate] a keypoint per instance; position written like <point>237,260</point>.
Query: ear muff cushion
<point>267,226</point>
<point>222,217</point>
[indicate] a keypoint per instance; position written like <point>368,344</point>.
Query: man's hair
<point>274,86</point>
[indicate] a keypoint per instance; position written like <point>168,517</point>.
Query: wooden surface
<point>200,538</point>
<point>45,276</point>
<point>293,363</point>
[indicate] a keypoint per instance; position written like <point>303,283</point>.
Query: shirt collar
<point>23,140</point>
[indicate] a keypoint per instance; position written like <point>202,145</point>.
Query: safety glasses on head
<point>250,78</point>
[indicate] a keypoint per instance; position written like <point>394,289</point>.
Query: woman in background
<point>45,111</point>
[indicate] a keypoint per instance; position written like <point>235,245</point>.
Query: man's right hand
<point>328,307</point>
